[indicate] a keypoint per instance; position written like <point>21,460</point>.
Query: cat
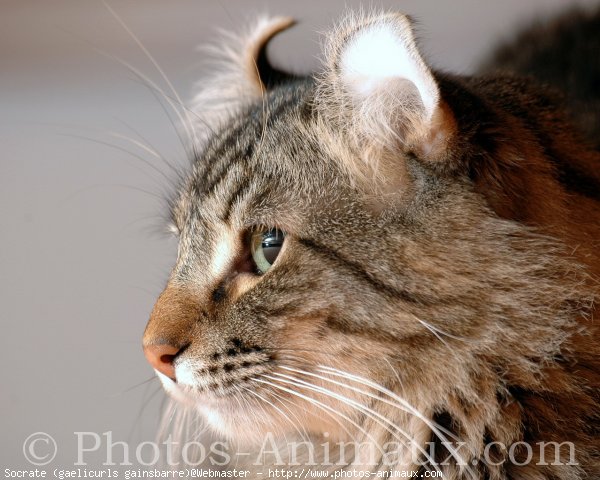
<point>388,256</point>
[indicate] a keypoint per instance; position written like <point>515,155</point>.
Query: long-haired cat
<point>387,256</point>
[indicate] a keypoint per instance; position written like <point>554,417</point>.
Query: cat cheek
<point>241,284</point>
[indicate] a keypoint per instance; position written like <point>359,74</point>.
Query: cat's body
<point>562,53</point>
<point>437,278</point>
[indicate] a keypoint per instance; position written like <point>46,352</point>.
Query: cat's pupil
<point>271,244</point>
<point>266,245</point>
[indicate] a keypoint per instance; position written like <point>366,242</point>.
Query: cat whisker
<point>435,333</point>
<point>242,398</point>
<point>277,409</point>
<point>261,401</point>
<point>145,143</point>
<point>135,142</point>
<point>437,425</point>
<point>434,329</point>
<point>155,89</point>
<point>160,96</point>
<point>197,117</point>
<point>395,372</point>
<point>349,387</point>
<point>137,385</point>
<point>333,355</point>
<point>188,123</point>
<point>172,410</point>
<point>376,386</point>
<point>146,81</point>
<point>124,150</point>
<point>432,425</point>
<point>330,411</point>
<point>381,420</point>
<point>145,403</point>
<point>157,225</point>
<point>113,185</point>
<point>146,147</point>
<point>285,401</point>
<point>405,406</point>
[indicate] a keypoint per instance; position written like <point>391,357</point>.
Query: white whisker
<point>145,143</point>
<point>124,150</point>
<point>375,416</point>
<point>153,87</point>
<point>332,412</point>
<point>275,407</point>
<point>261,403</point>
<point>284,401</point>
<point>157,66</point>
<point>137,143</point>
<point>413,410</point>
<point>434,329</point>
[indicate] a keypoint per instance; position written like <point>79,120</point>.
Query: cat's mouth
<point>243,390</point>
<point>215,379</point>
<point>225,393</point>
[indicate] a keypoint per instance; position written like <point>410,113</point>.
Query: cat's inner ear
<point>259,73</point>
<point>379,83</point>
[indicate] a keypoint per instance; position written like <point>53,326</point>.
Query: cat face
<point>325,300</point>
<point>334,242</point>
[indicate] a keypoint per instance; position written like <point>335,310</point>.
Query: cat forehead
<point>270,125</point>
<point>270,144</point>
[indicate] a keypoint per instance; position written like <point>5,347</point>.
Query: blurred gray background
<point>82,256</point>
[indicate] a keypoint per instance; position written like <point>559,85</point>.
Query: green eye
<point>265,245</point>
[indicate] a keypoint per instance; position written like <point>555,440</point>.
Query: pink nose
<point>161,358</point>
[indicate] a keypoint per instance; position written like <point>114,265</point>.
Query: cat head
<point>354,232</point>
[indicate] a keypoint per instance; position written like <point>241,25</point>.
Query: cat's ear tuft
<point>241,72</point>
<point>378,83</point>
<point>259,72</point>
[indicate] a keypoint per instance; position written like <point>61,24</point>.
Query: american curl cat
<point>390,257</point>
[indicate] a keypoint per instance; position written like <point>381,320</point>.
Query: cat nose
<point>169,329</point>
<point>161,358</point>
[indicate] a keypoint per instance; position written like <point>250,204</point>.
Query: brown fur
<point>436,254</point>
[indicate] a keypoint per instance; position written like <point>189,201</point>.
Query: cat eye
<point>265,245</point>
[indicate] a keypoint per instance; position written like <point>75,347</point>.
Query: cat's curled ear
<point>241,71</point>
<point>259,73</point>
<point>378,89</point>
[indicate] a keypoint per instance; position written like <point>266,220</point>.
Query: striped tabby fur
<point>438,276</point>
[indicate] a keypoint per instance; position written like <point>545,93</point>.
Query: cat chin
<point>225,417</point>
<point>175,391</point>
<point>237,426</point>
<point>232,419</point>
